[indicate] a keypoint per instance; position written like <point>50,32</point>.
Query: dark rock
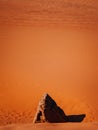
<point>76,118</point>
<point>49,111</point>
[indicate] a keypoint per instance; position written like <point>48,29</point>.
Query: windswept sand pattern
<point>12,116</point>
<point>51,12</point>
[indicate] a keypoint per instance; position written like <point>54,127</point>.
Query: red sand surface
<point>48,46</point>
<point>63,126</point>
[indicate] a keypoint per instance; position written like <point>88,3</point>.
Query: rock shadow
<point>76,118</point>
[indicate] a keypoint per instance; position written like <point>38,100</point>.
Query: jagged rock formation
<point>49,111</point>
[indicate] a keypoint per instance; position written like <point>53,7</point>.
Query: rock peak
<point>45,96</point>
<point>49,111</point>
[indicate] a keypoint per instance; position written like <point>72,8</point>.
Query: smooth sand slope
<point>48,46</point>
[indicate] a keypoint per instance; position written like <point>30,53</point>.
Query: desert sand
<point>62,126</point>
<point>48,46</point>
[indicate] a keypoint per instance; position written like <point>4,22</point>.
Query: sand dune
<point>48,46</point>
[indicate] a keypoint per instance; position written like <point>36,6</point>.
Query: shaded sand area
<point>62,126</point>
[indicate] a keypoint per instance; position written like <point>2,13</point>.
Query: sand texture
<point>62,126</point>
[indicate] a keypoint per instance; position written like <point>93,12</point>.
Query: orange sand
<point>63,126</point>
<point>48,47</point>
